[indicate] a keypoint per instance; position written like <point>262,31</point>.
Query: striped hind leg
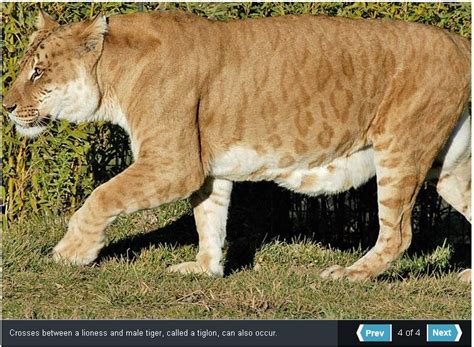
<point>454,186</point>
<point>397,189</point>
<point>404,150</point>
<point>454,179</point>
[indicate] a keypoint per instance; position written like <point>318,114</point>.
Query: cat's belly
<point>297,174</point>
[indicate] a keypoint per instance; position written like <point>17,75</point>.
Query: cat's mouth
<point>32,120</point>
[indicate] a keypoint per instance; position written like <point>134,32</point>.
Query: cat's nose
<point>9,108</point>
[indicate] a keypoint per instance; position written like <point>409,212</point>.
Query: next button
<point>375,332</point>
<point>443,332</point>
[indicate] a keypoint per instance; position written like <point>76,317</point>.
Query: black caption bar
<point>234,333</point>
<point>169,333</point>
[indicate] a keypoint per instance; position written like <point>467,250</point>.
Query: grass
<point>129,280</point>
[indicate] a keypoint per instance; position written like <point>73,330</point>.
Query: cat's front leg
<point>141,186</point>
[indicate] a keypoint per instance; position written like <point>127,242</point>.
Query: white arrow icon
<point>359,335</point>
<point>458,328</point>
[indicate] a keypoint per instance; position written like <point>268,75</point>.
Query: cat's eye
<point>36,74</point>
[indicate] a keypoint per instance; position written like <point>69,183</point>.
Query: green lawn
<point>130,281</point>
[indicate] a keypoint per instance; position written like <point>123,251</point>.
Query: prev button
<point>375,333</point>
<point>443,332</point>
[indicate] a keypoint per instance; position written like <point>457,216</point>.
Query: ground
<point>129,281</point>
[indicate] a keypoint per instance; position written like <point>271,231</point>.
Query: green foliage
<point>55,172</point>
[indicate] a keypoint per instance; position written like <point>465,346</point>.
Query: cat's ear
<point>45,22</point>
<point>92,33</point>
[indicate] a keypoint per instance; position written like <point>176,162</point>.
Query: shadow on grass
<point>179,233</point>
<point>240,252</point>
<point>253,222</point>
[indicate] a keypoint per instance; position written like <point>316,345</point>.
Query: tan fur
<point>318,104</point>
